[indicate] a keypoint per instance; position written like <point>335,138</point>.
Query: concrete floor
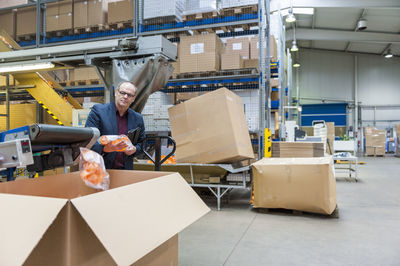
<point>366,233</point>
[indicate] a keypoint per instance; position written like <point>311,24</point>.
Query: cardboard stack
<point>90,12</point>
<point>304,184</point>
<point>330,137</point>
<point>26,21</point>
<point>4,4</point>
<point>120,11</point>
<point>61,221</point>
<point>211,128</point>
<point>171,10</point>
<point>83,73</point>
<point>297,149</point>
<point>254,47</point>
<point>200,53</point>
<point>237,50</point>
<point>7,22</point>
<point>59,16</point>
<point>375,141</point>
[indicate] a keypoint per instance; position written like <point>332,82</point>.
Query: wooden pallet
<point>202,15</point>
<point>161,20</point>
<point>242,71</point>
<point>59,33</point>
<point>334,214</point>
<point>374,155</point>
<point>26,37</point>
<point>69,83</point>
<point>232,11</point>
<point>91,28</point>
<point>119,25</point>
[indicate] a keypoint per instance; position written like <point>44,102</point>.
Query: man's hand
<point>115,147</point>
<point>130,150</point>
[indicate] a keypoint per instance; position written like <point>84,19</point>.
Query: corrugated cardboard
<point>59,22</point>
<point>200,53</point>
<point>120,11</point>
<point>7,22</point>
<point>305,184</point>
<point>274,95</point>
<point>330,137</point>
<point>81,13</point>
<point>26,20</point>
<point>184,96</point>
<point>57,220</point>
<point>211,128</point>
<point>231,61</point>
<point>4,4</point>
<point>97,12</point>
<point>251,63</point>
<point>238,46</point>
<point>375,141</point>
<point>254,47</point>
<point>83,73</point>
<point>297,149</point>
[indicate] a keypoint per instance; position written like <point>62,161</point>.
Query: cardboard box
<point>120,11</point>
<point>26,21</point>
<point>330,137</point>
<point>83,73</point>
<point>81,13</point>
<point>211,128</point>
<point>284,149</point>
<point>231,61</point>
<point>274,95</point>
<point>7,22</point>
<point>4,4</point>
<point>274,83</point>
<point>254,47</point>
<point>251,63</point>
<point>304,184</point>
<point>200,53</point>
<point>61,221</point>
<point>184,96</point>
<point>97,12</point>
<point>59,22</point>
<point>238,46</point>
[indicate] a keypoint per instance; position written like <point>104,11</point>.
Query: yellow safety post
<point>267,143</point>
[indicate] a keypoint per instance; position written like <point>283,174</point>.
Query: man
<point>116,119</point>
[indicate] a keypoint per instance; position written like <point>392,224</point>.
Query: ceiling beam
<point>282,4</point>
<point>356,28</point>
<point>342,35</point>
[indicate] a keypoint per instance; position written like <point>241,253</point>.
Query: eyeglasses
<point>123,93</point>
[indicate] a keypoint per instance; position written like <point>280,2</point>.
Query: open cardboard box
<point>58,220</point>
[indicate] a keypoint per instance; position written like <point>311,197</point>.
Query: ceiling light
<point>294,47</point>
<point>388,54</point>
<point>362,24</point>
<point>296,64</point>
<point>290,17</point>
<point>25,67</point>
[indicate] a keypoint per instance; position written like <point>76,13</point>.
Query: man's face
<point>125,95</point>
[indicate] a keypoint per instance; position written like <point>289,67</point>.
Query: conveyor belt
<point>51,134</point>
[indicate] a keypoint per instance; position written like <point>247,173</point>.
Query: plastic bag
<point>92,169</point>
<point>115,139</point>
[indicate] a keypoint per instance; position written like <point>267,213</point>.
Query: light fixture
<point>388,54</point>
<point>298,10</point>
<point>290,17</point>
<point>361,24</point>
<point>294,47</point>
<point>25,67</point>
<point>296,64</point>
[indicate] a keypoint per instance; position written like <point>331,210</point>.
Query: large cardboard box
<point>120,11</point>
<point>4,4</point>
<point>83,73</point>
<point>251,63</point>
<point>97,12</point>
<point>238,46</point>
<point>81,13</point>
<point>254,47</point>
<point>7,22</point>
<point>231,61</point>
<point>375,141</point>
<point>59,22</point>
<point>211,128</point>
<point>200,53</point>
<point>58,220</point>
<point>26,21</point>
<point>305,184</point>
<point>297,149</point>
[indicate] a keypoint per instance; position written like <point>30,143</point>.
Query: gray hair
<point>129,82</point>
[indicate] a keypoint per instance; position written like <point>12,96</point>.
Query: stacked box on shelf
<point>237,50</point>
<point>236,3</point>
<point>200,53</point>
<point>59,16</point>
<point>4,4</point>
<point>375,141</point>
<point>120,11</point>
<point>163,9</point>
<point>83,73</point>
<point>7,22</point>
<point>155,112</point>
<point>90,13</point>
<point>26,21</point>
<point>254,47</point>
<point>200,6</point>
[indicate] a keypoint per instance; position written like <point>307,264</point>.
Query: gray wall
<point>330,76</point>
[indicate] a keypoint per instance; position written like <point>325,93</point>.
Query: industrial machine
<point>42,147</point>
